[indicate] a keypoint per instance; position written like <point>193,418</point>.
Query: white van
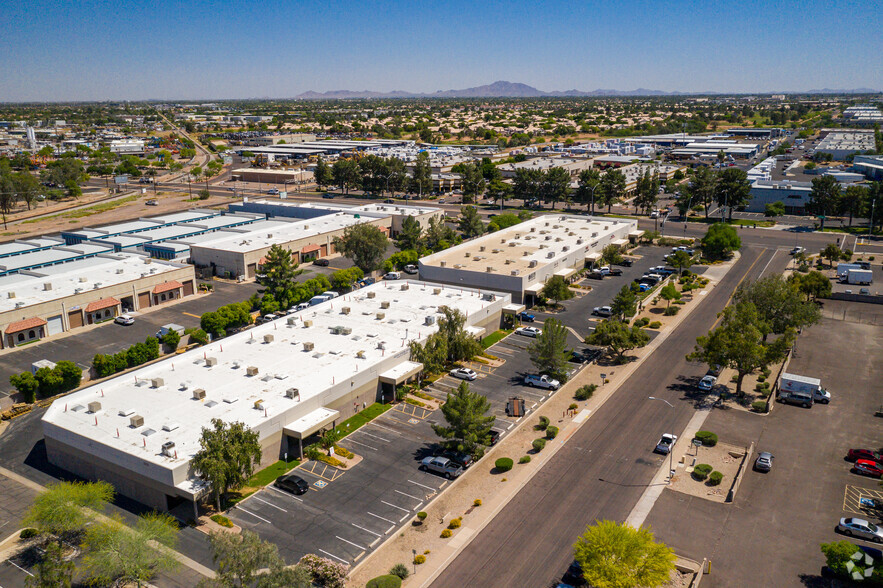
<point>330,294</point>
<point>393,276</point>
<point>318,299</point>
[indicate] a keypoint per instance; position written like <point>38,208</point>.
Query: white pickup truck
<point>541,381</point>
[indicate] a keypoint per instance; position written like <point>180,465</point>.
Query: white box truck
<point>843,269</point>
<point>802,390</point>
<point>859,276</point>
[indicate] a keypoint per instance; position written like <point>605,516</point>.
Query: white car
<point>797,250</point>
<point>393,276</point>
<point>464,373</point>
<point>125,319</point>
<point>707,383</point>
<point>528,331</point>
<point>604,270</point>
<point>666,442</point>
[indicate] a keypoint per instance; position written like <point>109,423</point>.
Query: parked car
<point>152,202</point>
<point>604,269</point>
<point>615,271</point>
<point>526,317</point>
<point>625,261</point>
<point>866,467</point>
<point>321,262</point>
<point>528,331</point>
<point>464,373</point>
<point>541,381</point>
<point>125,319</point>
<point>464,460</point>
<point>169,327</point>
<point>860,528</point>
<point>595,275</point>
<point>494,436</point>
<point>302,306</point>
<point>441,465</point>
<point>764,461</point>
<point>856,454</point>
<point>273,191</point>
<point>707,383</point>
<point>643,287</point>
<point>602,311</point>
<point>292,483</point>
<point>585,356</point>
<point>411,269</point>
<point>797,250</point>
<point>365,282</point>
<point>666,442</point>
<point>864,291</point>
<point>329,195</point>
<point>574,575</point>
<point>393,276</point>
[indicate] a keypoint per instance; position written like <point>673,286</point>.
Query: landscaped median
<point>494,480</point>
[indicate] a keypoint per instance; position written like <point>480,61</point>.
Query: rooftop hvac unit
<point>308,346</point>
<point>10,294</point>
<point>489,269</point>
<point>566,248</point>
<point>198,394</point>
<point>533,229</point>
<point>550,254</point>
<point>292,393</point>
<point>372,294</point>
<point>308,324</point>
<point>508,261</point>
<point>94,407</point>
<point>268,338</point>
<point>384,304</point>
<point>595,234</point>
<point>513,273</point>
<point>503,240</point>
<point>513,244</point>
<point>136,421</point>
<point>345,310</point>
<point>259,404</point>
<point>525,253</point>
<point>548,237</point>
<point>157,383</point>
<point>360,354</point>
<point>558,239</point>
<point>497,250</point>
<point>481,248</point>
<point>211,361</point>
<point>381,316</point>
<point>442,264</point>
<point>517,236</point>
<point>251,371</point>
<point>488,297</point>
<point>20,304</point>
<point>404,287</point>
<point>47,286</point>
<point>469,254</point>
<point>83,279</point>
<point>436,291</point>
<point>381,345</point>
<point>579,241</point>
<point>533,263</point>
<point>120,270</point>
<point>168,448</point>
<point>429,320</point>
<point>291,321</point>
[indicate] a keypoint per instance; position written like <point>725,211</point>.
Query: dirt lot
<point>722,458</point>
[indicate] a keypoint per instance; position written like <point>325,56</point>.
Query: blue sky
<point>107,50</point>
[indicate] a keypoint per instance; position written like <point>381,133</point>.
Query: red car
<point>867,467</point>
<point>869,454</point>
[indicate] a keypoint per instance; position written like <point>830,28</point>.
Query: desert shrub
<point>446,533</point>
<point>504,464</point>
<point>655,325</point>
<point>573,406</point>
<point>28,533</point>
<point>524,459</point>
<point>758,406</point>
<point>420,559</point>
<point>222,520</point>
<point>538,444</point>
<point>400,570</point>
<point>455,523</point>
<point>708,438</point>
<point>421,515</point>
<point>551,432</point>
<point>766,372</point>
<point>642,322</point>
<point>476,502</point>
<point>715,478</point>
<point>701,471</point>
<point>671,311</point>
<point>585,392</point>
<point>544,422</point>
<point>389,581</point>
<point>761,378</point>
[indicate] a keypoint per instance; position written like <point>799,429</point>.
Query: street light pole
<point>671,449</point>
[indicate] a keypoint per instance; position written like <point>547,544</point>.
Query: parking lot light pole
<point>671,449</point>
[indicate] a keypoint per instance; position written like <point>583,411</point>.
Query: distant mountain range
<point>502,89</point>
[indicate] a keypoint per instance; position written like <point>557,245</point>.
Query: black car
<point>321,261</point>
<point>585,356</point>
<point>615,271</point>
<point>292,483</point>
<point>574,575</point>
<point>625,262</point>
<point>494,436</point>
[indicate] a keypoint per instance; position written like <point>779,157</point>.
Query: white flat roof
<point>310,423</point>
<point>321,375</point>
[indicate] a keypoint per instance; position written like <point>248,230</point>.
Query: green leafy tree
<point>410,235</point>
<point>614,555</point>
<point>670,292</point>
<point>813,285</point>
<point>345,278</point>
<point>472,181</point>
<point>470,224</point>
<point>625,303</point>
<point>52,571</point>
<point>171,340</point>
<point>278,273</point>
<point>67,507</point>
<point>468,424</point>
<point>117,553</point>
<point>439,235</point>
<point>240,559</point>
<point>503,221</point>
<point>345,174</point>
<point>555,186</point>
<point>26,384</point>
<point>853,201</point>
<point>618,337</point>
<point>719,241</point>
<point>433,354</point>
<point>398,261</point>
<point>611,255</point>
<point>460,344</point>
<point>549,350</point>
<point>844,559</point>
<point>556,289</point>
<point>322,174</point>
<point>27,188</point>
<point>774,209</point>
<point>680,260</point>
<point>363,243</point>
<point>702,188</point>
<point>831,252</point>
<point>732,189</point>
<point>737,343</point>
<point>780,305</point>
<point>526,184</point>
<point>498,190</point>
<point>612,189</point>
<point>421,179</point>
<point>587,185</point>
<point>824,197</point>
<point>227,456</point>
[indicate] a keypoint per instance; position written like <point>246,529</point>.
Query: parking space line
<point>259,499</point>
<point>19,567</point>
<point>402,520</point>
<point>376,437</point>
<point>408,495</point>
<point>335,557</point>
<point>394,506</point>
<point>424,486</point>
<point>357,443</point>
<point>373,543</point>
<point>366,530</point>
<point>284,493</point>
<point>386,428</point>
<point>381,518</point>
<point>351,543</point>
<point>254,515</point>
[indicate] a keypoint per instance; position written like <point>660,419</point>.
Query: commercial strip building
<point>840,144</point>
<point>793,194</point>
<point>276,177</point>
<point>862,115</point>
<point>47,301</point>
<point>710,148</point>
<point>266,140</point>
<point>869,165</point>
<point>518,260</point>
<point>141,225</point>
<point>285,380</point>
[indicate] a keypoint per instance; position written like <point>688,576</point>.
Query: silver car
<point>464,373</point>
<point>441,465</point>
<point>860,528</point>
<point>764,461</point>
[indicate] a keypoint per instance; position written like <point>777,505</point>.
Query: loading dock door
<point>75,318</point>
<point>188,288</point>
<point>144,300</point>
<point>54,325</point>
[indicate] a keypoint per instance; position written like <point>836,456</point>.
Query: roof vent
<point>381,316</point>
<point>157,383</point>
<point>198,394</point>
<point>211,361</point>
<point>384,304</point>
<point>94,407</point>
<point>268,338</point>
<point>169,427</point>
<point>231,399</point>
<point>47,286</point>
<point>136,421</point>
<point>126,412</point>
<point>292,393</point>
<point>251,371</point>
<point>168,448</point>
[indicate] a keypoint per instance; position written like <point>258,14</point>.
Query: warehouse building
<point>141,225</point>
<point>841,144</point>
<point>42,257</point>
<point>47,301</point>
<point>871,166</point>
<point>286,380</point>
<point>279,139</point>
<point>794,195</point>
<point>518,260</point>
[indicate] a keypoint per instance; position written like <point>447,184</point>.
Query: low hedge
<point>671,311</point>
<point>28,533</point>
<point>504,464</point>
<point>758,406</point>
<point>655,325</point>
<point>421,516</point>
<point>701,471</point>
<point>708,438</point>
<point>222,520</point>
<point>715,478</point>
<point>551,432</point>
<point>585,392</point>
<point>524,459</point>
<point>389,581</point>
<point>539,444</point>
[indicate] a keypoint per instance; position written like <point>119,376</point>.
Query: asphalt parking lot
<point>791,510</point>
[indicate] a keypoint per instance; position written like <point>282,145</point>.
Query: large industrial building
<point>793,194</point>
<point>871,166</point>
<point>518,260</point>
<point>286,380</point>
<point>42,302</point>
<point>842,143</point>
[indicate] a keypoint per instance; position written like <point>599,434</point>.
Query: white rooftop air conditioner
<point>384,304</point>
<point>268,338</point>
<point>168,448</point>
<point>381,316</point>
<point>157,383</point>
<point>211,361</point>
<point>372,294</point>
<point>94,407</point>
<point>345,310</point>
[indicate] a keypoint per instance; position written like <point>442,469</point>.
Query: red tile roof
<point>24,325</point>
<point>311,248</point>
<point>166,286</point>
<point>101,304</point>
